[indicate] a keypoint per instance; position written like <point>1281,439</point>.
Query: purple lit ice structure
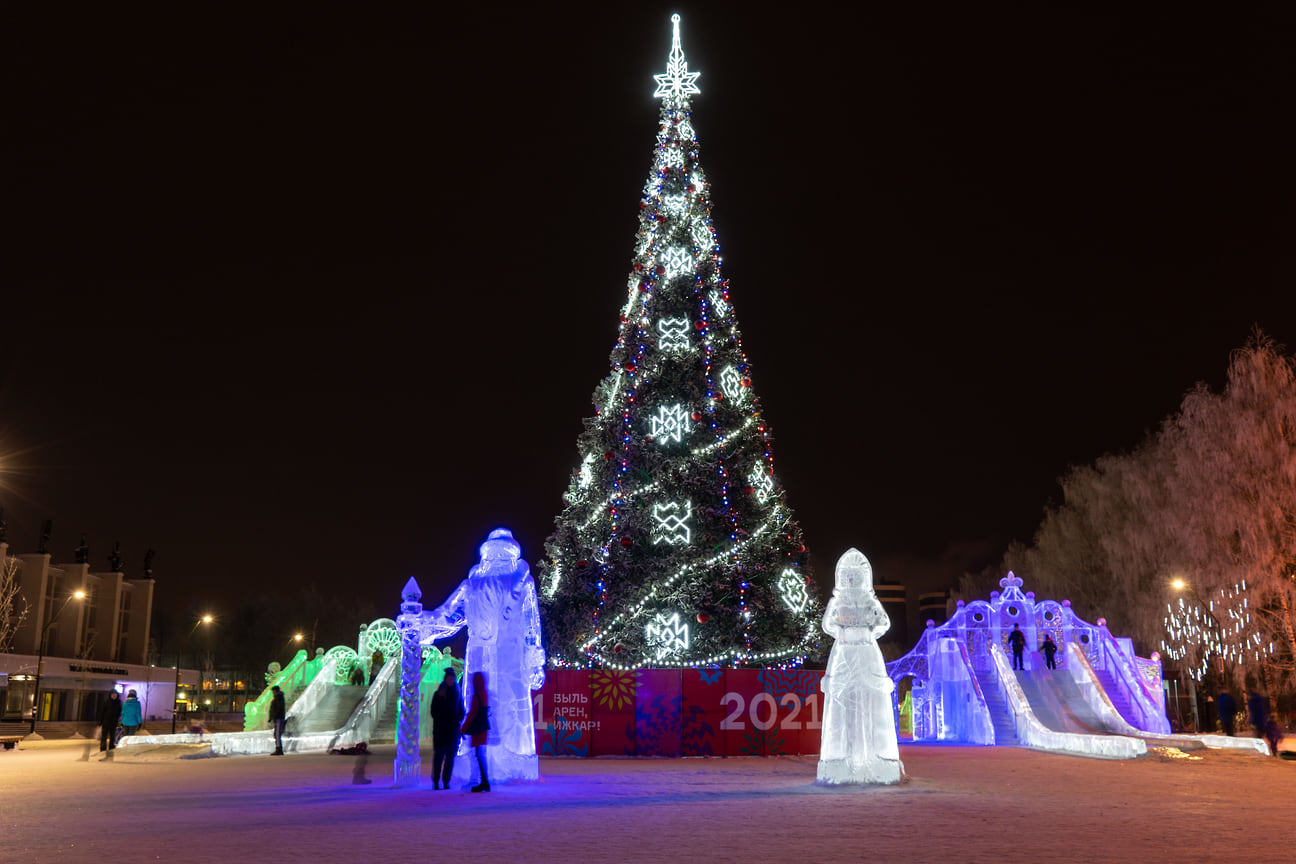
<point>1101,700</point>
<point>497,603</point>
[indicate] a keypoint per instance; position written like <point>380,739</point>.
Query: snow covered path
<point>962,804</point>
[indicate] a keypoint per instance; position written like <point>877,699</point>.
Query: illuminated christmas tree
<point>676,546</point>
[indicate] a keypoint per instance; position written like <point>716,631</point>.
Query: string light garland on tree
<point>675,511</point>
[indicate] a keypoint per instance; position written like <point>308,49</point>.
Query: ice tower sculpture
<point>497,603</point>
<point>859,737</point>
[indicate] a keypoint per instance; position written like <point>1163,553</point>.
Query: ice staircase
<point>385,728</point>
<point>1005,727</point>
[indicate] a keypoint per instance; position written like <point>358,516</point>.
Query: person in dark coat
<point>278,716</point>
<point>1017,642</point>
<point>1258,709</point>
<point>1227,707</point>
<point>1050,651</point>
<point>109,717</point>
<point>477,724</point>
<point>447,715</point>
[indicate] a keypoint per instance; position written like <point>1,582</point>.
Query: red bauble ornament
<point>608,456</point>
<point>626,542</point>
<point>581,563</point>
<point>746,382</point>
<point>749,490</point>
<point>698,325</point>
<point>630,367</point>
<point>696,415</point>
<point>618,648</point>
<point>661,270</point>
<point>691,188</point>
<point>702,617</point>
<point>638,267</point>
<point>660,218</point>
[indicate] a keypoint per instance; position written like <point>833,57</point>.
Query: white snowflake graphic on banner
<point>673,334</point>
<point>686,130</point>
<point>793,591</point>
<point>672,522</point>
<point>675,204</point>
<point>668,636</point>
<point>761,483</point>
<point>670,424</point>
<point>672,158</point>
<point>731,384</point>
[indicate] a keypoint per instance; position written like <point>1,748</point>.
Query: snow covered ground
<point>59,802</point>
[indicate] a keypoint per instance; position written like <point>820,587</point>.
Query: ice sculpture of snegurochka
<point>859,737</point>
<point>497,603</point>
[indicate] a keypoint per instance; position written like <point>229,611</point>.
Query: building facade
<point>71,650</point>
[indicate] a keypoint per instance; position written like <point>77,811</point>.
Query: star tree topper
<point>678,81</point>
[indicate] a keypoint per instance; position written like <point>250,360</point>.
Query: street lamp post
<point>40,654</point>
<point>175,695</point>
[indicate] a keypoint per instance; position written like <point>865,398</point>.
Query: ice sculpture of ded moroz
<point>859,736</point>
<point>497,602</point>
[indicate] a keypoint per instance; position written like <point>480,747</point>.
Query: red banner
<point>678,712</point>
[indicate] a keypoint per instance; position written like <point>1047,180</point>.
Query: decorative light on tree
<point>731,384</point>
<point>762,484</point>
<point>678,82</point>
<point>1218,629</point>
<point>672,334</point>
<point>668,635</point>
<point>662,526</point>
<point>672,522</point>
<point>793,590</point>
<point>677,261</point>
<point>670,424</point>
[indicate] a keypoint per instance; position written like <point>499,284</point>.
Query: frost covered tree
<point>13,606</point>
<point>675,546</point>
<point>1188,542</point>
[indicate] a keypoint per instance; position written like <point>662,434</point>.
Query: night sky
<point>321,296</point>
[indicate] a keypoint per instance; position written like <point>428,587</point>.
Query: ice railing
<point>984,733</point>
<point>311,697</point>
<point>1126,671</point>
<point>254,712</point>
<point>1032,733</point>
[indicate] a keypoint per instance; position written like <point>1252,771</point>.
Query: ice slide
<point>1068,708</point>
<point>325,716</point>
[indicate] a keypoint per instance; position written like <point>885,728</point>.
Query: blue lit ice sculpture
<point>497,603</point>
<point>859,737</point>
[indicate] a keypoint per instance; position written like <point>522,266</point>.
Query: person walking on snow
<point>132,718</point>
<point>109,716</point>
<point>1050,649</point>
<point>278,716</point>
<point>1017,642</point>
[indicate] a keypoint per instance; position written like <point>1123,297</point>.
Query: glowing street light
<point>40,659</point>
<point>175,705</point>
